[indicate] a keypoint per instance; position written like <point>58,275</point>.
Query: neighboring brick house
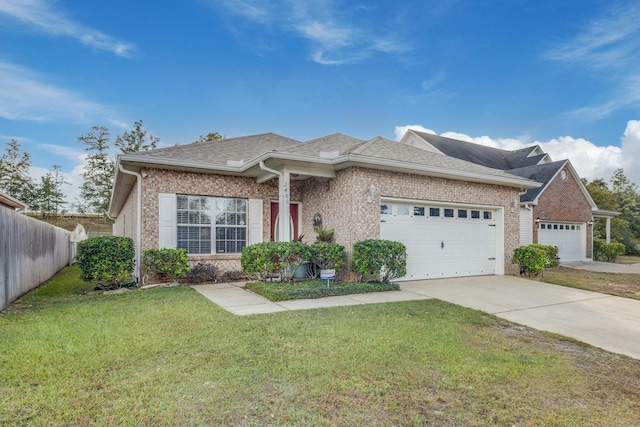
<point>559,213</point>
<point>457,218</point>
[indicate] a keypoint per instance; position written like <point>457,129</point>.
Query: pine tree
<point>136,140</point>
<point>99,170</point>
<point>15,179</point>
<point>49,197</point>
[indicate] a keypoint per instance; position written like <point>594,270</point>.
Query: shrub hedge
<point>607,251</point>
<point>171,263</point>
<point>379,260</point>
<point>107,260</point>
<point>531,259</point>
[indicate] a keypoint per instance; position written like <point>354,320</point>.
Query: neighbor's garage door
<point>569,238</point>
<point>442,241</point>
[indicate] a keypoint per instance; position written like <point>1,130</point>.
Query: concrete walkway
<point>608,322</point>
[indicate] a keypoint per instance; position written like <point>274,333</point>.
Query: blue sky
<point>509,73</point>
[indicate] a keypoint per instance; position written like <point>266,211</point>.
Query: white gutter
<point>138,219</point>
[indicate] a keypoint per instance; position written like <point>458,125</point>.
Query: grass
<point>282,291</point>
<point>168,356</point>
<point>627,259</point>
<point>623,285</point>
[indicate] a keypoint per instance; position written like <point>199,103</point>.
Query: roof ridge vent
<point>235,163</point>
<point>329,154</point>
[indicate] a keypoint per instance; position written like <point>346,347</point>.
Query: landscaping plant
<point>531,259</point>
<point>108,261</point>
<point>171,263</point>
<point>379,260</point>
<point>607,251</point>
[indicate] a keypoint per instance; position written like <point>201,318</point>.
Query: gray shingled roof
<point>543,173</point>
<point>386,149</point>
<point>480,154</point>
<point>219,152</point>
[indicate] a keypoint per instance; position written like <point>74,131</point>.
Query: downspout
<point>138,219</point>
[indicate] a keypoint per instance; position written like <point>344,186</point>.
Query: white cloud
<point>610,47</point>
<point>590,161</point>
<point>40,14</point>
<point>24,96</point>
<point>333,40</point>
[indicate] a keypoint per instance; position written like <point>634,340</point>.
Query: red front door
<point>293,219</point>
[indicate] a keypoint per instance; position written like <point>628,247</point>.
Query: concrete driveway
<point>605,321</point>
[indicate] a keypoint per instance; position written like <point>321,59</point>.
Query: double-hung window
<point>198,234</point>
<point>231,225</point>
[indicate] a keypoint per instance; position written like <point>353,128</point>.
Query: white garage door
<point>442,241</point>
<point>571,239</point>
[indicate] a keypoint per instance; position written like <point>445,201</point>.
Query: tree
<point>210,137</point>
<point>136,140</point>
<point>49,197</point>
<point>14,173</point>
<point>99,170</point>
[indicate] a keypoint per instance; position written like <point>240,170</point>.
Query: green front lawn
<point>622,285</point>
<point>282,291</point>
<point>168,356</point>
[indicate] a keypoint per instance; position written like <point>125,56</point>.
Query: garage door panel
<point>569,238</point>
<point>443,247</point>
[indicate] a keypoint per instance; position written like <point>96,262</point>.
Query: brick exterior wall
<point>341,201</point>
<point>563,200</point>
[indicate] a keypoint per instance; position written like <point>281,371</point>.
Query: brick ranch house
<point>457,217</point>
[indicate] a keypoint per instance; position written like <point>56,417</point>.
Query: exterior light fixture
<point>371,193</point>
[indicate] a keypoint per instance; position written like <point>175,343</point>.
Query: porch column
<point>284,199</point>
<point>608,232</point>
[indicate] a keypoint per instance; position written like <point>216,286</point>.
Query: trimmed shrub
<point>551,252</point>
<point>261,260</point>
<point>531,259</point>
<point>202,272</point>
<point>607,251</point>
<point>327,255</point>
<point>171,263</point>
<point>292,255</point>
<point>379,260</point>
<point>107,260</point>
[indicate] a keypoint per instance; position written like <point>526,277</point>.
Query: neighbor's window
<point>198,234</point>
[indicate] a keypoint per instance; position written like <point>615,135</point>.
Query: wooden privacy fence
<point>31,252</point>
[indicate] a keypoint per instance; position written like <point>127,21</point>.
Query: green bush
<point>108,261</point>
<point>327,255</point>
<point>531,259</point>
<point>607,251</point>
<point>551,252</point>
<point>261,260</point>
<point>171,263</point>
<point>379,260</point>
